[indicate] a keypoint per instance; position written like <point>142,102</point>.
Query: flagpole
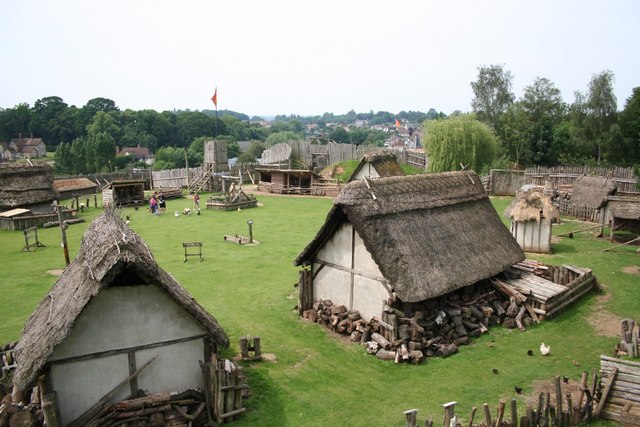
<point>216,104</point>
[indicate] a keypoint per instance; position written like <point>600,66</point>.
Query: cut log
<point>382,341</point>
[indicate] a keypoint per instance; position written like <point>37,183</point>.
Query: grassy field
<point>317,379</point>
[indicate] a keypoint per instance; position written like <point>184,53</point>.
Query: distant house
<point>138,153</point>
<point>406,238</point>
<point>621,213</point>
<point>6,152</point>
<point>377,164</point>
<point>29,148</point>
<point>589,195</point>
<point>111,313</point>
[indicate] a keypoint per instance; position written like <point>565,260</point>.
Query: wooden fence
<point>621,378</point>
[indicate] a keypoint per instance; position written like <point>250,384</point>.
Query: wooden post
<point>63,233</point>
<point>487,414</point>
<point>473,414</point>
<point>514,413</point>
<point>500,414</point>
<point>605,393</point>
<point>558,401</point>
<point>411,416</point>
<point>449,412</point>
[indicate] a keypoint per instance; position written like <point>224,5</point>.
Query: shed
<point>70,187</point>
<point>621,213</point>
<point>377,164</point>
<point>532,214</point>
<point>124,193</point>
<point>110,312</point>
<point>26,186</point>
<point>412,238</point>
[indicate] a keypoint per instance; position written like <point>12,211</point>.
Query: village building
<point>589,195</point>
<point>138,153</point>
<point>406,238</point>
<point>531,214</point>
<point>621,213</point>
<point>377,164</point>
<point>112,313</point>
<point>29,148</point>
<point>124,193</point>
<point>71,187</point>
<point>6,152</point>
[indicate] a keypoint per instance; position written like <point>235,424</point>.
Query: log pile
<point>435,327</point>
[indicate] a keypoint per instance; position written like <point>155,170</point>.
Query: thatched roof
<point>624,207</point>
<point>110,253</point>
<point>23,185</point>
<point>429,234</point>
<point>591,191</point>
<point>385,162</point>
<point>74,184</point>
<point>532,205</point>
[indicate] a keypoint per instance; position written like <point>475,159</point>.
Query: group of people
<point>157,203</point>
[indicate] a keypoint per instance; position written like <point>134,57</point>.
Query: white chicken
<point>177,214</point>
<point>545,349</point>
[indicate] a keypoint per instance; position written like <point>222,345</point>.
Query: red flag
<point>397,123</point>
<point>214,98</point>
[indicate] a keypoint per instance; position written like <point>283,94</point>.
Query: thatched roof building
<point>531,204</point>
<point>70,187</point>
<point>26,186</point>
<point>418,237</point>
<point>622,213</point>
<point>592,191</point>
<point>377,164</point>
<point>93,311</point>
<point>532,214</point>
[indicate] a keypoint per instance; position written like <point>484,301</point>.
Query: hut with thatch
<point>111,312</point>
<point>71,187</point>
<point>531,214</point>
<point>407,239</point>
<point>26,186</point>
<point>377,164</point>
<point>589,195</point>
<point>621,213</point>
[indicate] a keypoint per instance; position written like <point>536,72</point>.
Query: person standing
<point>153,205</point>
<point>196,201</point>
<point>162,203</point>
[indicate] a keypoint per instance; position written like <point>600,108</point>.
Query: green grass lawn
<point>316,378</point>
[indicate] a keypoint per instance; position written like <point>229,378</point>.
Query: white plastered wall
<point>124,319</point>
<point>356,281</point>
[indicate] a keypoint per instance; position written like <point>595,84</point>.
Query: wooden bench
<point>31,233</point>
<point>236,239</point>
<point>188,245</point>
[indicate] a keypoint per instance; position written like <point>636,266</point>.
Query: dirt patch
<point>548,386</point>
<point>604,323</point>
<point>55,272</point>
<point>632,270</point>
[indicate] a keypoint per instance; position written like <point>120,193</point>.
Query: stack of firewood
<point>435,327</point>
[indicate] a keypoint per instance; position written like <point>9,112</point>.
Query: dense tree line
<point>540,128</point>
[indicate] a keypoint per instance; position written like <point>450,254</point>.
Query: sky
<point>269,57</point>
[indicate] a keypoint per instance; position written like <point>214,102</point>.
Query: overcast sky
<point>269,57</point>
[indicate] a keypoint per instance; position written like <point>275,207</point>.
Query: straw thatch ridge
<point>110,253</point>
<point>429,234</point>
<point>23,185</point>
<point>592,191</point>
<point>532,205</point>
<point>385,162</point>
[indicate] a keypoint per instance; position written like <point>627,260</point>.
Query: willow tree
<point>459,142</point>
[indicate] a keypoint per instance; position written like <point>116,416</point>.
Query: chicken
<point>545,349</point>
<point>177,214</point>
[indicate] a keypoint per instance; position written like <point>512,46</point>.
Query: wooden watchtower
<point>215,161</point>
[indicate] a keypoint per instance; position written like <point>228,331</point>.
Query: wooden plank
<point>605,393</point>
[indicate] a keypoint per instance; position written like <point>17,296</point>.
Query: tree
<point>14,121</point>
<point>630,128</point>
<point>601,111</point>
<point>79,156</point>
<point>63,160</point>
<point>456,141</point>
<point>492,94</point>
<point>340,135</point>
<point>282,137</point>
<point>46,120</point>
<point>101,150</point>
<point>192,124</point>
